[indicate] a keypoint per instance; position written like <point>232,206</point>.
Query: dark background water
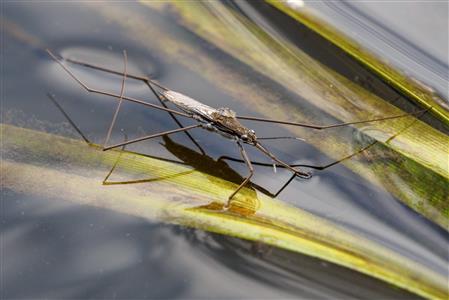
<point>53,249</point>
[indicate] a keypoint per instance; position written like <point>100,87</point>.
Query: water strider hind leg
<point>107,70</point>
<point>149,83</point>
<point>105,93</point>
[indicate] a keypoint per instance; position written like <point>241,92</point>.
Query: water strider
<point>223,121</point>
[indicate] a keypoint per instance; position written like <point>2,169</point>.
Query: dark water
<point>51,249</point>
<point>56,250</point>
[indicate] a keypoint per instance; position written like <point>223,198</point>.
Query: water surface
<point>54,249</point>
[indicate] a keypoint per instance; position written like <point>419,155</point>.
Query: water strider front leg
<point>250,168</point>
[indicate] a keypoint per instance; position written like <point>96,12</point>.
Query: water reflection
<point>155,261</point>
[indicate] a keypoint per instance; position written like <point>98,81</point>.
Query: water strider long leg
<point>322,167</point>
<point>250,168</point>
<point>316,167</point>
<point>107,182</point>
<point>56,103</point>
<point>319,127</point>
<point>312,126</point>
<point>344,158</point>
<point>148,180</point>
<point>101,92</point>
<point>122,91</point>
<point>420,113</point>
<point>153,136</point>
<point>100,68</point>
<point>83,136</point>
<point>281,138</point>
<point>149,83</point>
<point>298,173</point>
<point>223,157</point>
<point>291,167</point>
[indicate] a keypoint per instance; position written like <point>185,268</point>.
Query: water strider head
<point>226,118</point>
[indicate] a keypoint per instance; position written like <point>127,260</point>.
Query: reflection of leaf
<point>46,165</point>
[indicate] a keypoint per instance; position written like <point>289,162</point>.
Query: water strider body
<point>223,121</point>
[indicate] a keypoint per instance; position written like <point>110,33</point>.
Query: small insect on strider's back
<point>223,121</point>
